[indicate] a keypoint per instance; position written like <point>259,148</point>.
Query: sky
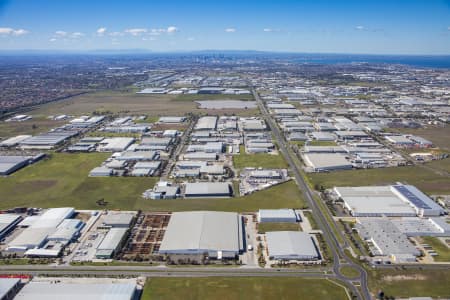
<point>314,26</point>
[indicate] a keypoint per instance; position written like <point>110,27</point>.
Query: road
<point>319,214</point>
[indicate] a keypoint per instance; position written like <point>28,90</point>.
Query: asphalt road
<point>336,248</point>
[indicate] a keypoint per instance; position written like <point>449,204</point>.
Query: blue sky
<point>376,27</point>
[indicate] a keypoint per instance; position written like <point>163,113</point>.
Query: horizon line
<point>149,51</point>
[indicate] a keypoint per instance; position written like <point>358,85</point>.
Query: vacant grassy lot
<point>257,160</point>
<point>266,227</point>
<point>242,288</point>
<point>411,283</point>
<point>349,272</point>
<point>34,126</point>
<point>322,143</point>
<point>127,101</point>
<point>442,250</point>
<point>425,179</point>
<point>63,180</point>
<point>440,165</point>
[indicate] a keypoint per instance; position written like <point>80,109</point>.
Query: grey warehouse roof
<point>76,291</point>
<point>203,231</point>
<point>291,244</point>
<point>207,188</point>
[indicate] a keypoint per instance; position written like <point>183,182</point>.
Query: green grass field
<point>63,180</point>
<point>242,288</point>
<point>442,250</point>
<point>349,272</point>
<point>322,143</point>
<point>411,283</point>
<point>38,124</point>
<point>257,160</point>
<point>266,227</point>
<point>427,180</point>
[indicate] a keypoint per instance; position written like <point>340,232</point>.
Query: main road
<point>319,214</point>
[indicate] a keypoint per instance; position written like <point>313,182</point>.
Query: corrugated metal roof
<point>76,291</point>
<point>112,239</point>
<point>290,243</point>
<point>202,230</point>
<point>207,188</point>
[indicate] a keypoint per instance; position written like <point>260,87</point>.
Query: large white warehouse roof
<point>203,231</point>
<point>291,245</point>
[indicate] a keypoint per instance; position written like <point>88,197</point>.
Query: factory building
<point>36,235</point>
<point>207,189</point>
<point>323,162</point>
<point>13,141</point>
<point>7,223</point>
<point>72,289</point>
<point>394,201</point>
<point>116,144</point>
<point>386,239</point>
<point>117,220</point>
<point>278,216</point>
<point>206,123</point>
<point>10,164</point>
<point>111,243</point>
<point>9,288</point>
<point>47,141</point>
<point>171,120</point>
<point>101,172</point>
<point>217,234</point>
<point>291,245</point>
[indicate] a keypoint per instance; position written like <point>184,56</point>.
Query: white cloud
<point>77,35</point>
<point>101,31</point>
<point>12,31</point>
<point>156,31</point>
<point>136,31</point>
<point>267,29</point>
<point>191,39</point>
<point>172,29</point>
<point>116,33</point>
<point>230,30</point>
<point>52,40</point>
<point>20,32</point>
<point>360,27</point>
<point>60,33</point>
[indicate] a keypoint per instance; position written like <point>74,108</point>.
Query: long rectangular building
<point>217,234</point>
<point>394,201</point>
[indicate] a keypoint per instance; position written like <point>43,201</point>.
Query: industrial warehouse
<point>216,234</point>
<point>394,200</point>
<point>292,246</point>
<point>51,288</point>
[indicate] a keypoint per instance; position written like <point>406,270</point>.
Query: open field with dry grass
<point>128,102</point>
<point>34,126</point>
<point>63,180</point>
<point>242,288</point>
